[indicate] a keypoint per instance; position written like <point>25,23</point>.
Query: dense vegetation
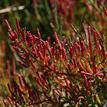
<point>53,53</point>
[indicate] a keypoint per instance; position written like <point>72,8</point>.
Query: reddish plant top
<point>56,66</point>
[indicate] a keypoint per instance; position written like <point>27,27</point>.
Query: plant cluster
<point>65,72</point>
<point>58,65</point>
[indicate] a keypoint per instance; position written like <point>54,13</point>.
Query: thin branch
<point>11,8</point>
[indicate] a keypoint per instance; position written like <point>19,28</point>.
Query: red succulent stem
<point>57,40</point>
<point>90,41</point>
